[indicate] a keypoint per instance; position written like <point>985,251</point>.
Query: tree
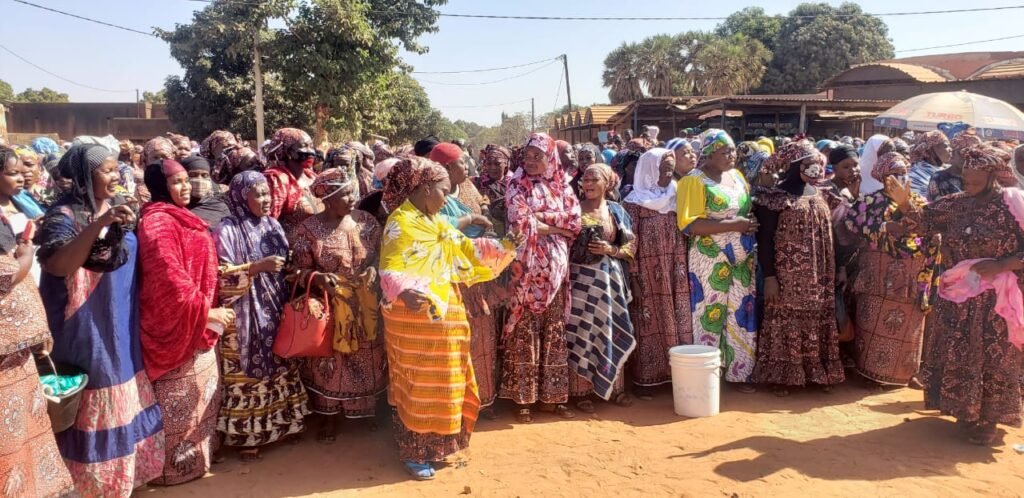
<point>333,48</point>
<point>817,41</point>
<point>159,97</point>
<point>6,92</point>
<point>216,90</point>
<point>622,74</point>
<point>660,61</point>
<point>754,23</point>
<point>45,95</point>
<point>729,65</point>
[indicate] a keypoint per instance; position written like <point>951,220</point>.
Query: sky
<point>110,59</point>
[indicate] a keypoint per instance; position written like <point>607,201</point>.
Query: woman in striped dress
<point>423,258</point>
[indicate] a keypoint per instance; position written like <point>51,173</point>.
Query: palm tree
<point>732,65</point>
<point>659,63</point>
<point>621,74</point>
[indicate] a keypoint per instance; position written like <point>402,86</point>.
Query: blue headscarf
<point>45,146</point>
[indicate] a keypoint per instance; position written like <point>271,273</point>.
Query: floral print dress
<point>722,283</point>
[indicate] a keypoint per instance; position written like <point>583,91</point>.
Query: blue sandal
<point>419,471</point>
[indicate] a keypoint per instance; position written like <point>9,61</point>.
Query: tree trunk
<point>322,112</point>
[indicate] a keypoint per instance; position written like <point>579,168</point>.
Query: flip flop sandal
<point>419,471</point>
<point>524,416</point>
<point>624,400</point>
<point>560,410</point>
<point>746,388</point>
<point>586,406</point>
<point>643,393</point>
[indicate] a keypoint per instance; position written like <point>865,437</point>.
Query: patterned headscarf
<point>639,145</point>
<point>45,146</point>
<point>214,145</point>
<point>987,158</point>
<point>547,145</point>
<point>964,140</point>
<point>363,152</point>
<point>594,152</point>
<point>791,153</point>
<point>493,152</point>
<point>676,143</point>
<point>179,141</point>
<point>767,144</point>
<point>381,151</point>
<point>926,143</point>
<point>284,141</point>
<point>157,149</point>
<point>409,173</point>
<point>238,192</point>
<point>747,149</point>
<point>329,182</point>
<point>714,139</point>
<point>891,163</point>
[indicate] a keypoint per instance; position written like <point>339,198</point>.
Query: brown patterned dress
<point>972,371</point>
<point>484,306</point>
<point>345,383</point>
<point>30,464</point>
<point>798,343</point>
<point>661,303</point>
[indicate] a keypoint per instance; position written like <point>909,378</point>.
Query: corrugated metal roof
<point>960,65</point>
<point>601,113</point>
<point>1006,69</point>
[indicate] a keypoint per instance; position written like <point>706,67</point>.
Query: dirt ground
<point>852,442</point>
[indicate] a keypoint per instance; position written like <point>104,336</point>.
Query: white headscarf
<point>868,158</point>
<point>646,191</point>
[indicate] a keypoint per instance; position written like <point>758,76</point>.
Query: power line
<point>718,18</point>
<point>687,18</point>
<point>961,44</point>
<point>484,70</point>
<point>26,61</point>
<point>492,81</point>
<point>481,106</point>
<point>76,16</point>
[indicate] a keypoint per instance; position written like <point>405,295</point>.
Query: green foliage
<point>754,23</point>
<point>813,49</point>
<point>330,71</point>
<point>512,131</point>
<point>729,65</point>
<point>622,73</point>
<point>749,51</point>
<point>159,97</point>
<point>45,95</point>
<point>6,91</point>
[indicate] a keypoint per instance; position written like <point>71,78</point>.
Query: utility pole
<point>258,77</point>
<point>533,117</point>
<point>138,104</point>
<point>568,92</point>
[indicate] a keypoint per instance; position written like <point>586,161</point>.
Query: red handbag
<point>303,329</point>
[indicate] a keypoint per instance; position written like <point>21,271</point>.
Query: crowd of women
<point>550,279</point>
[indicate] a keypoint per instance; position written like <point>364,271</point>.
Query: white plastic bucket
<point>696,374</point>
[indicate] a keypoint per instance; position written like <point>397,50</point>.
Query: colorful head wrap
<point>409,173</point>
<point>214,146</point>
<point>891,163</point>
<point>746,149</point>
<point>25,152</point>
<point>926,143</point>
<point>986,158</point>
<point>155,150</point>
<point>364,152</point>
<point>713,140</point>
<point>639,145</point>
<point>767,144</point>
<point>445,153</point>
<point>676,143</point>
<point>381,151</point>
<point>329,182</point>
<point>794,152</point>
<point>45,146</point>
<point>494,152</point>
<point>238,192</point>
<point>964,139</point>
<point>544,142</point>
<point>901,146</point>
<point>953,129</point>
<point>285,141</point>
